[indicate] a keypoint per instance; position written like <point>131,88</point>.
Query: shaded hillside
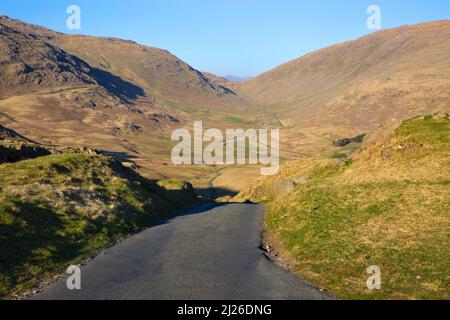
<point>232,85</point>
<point>393,73</point>
<point>28,64</point>
<point>14,148</point>
<point>10,135</point>
<point>58,210</point>
<point>387,206</point>
<point>106,93</point>
<point>163,76</point>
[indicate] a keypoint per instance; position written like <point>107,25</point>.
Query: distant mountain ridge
<point>237,79</point>
<point>221,81</point>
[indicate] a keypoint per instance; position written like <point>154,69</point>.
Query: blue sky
<point>239,37</point>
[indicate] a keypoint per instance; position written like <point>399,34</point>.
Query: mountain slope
<point>359,84</point>
<point>164,77</point>
<point>387,206</point>
<point>28,63</point>
<point>222,81</point>
<point>58,210</point>
<point>11,135</point>
<point>104,93</point>
<point>126,98</point>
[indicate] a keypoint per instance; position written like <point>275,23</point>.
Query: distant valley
<point>126,98</point>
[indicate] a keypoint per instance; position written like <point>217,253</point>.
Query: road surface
<point>211,252</point>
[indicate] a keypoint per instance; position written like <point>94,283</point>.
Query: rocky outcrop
<point>160,117</point>
<point>28,63</point>
<point>346,141</point>
<point>179,192</point>
<point>24,152</point>
<point>15,147</point>
<point>10,153</point>
<point>282,187</point>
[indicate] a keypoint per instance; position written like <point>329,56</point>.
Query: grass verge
<point>58,210</point>
<point>389,206</point>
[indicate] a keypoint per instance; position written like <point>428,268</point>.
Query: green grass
<point>237,121</point>
<point>390,209</point>
<point>174,184</point>
<point>422,129</point>
<point>339,155</point>
<point>58,210</point>
<point>336,232</point>
<point>189,109</point>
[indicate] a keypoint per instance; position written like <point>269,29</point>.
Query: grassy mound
<point>57,210</point>
<point>388,206</point>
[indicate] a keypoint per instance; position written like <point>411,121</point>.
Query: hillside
<point>58,210</point>
<point>126,98</point>
<point>10,135</point>
<point>105,93</point>
<point>28,64</point>
<point>352,87</point>
<point>387,206</point>
<point>224,82</point>
<point>162,78</point>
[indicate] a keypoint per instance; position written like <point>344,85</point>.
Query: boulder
<point>282,187</point>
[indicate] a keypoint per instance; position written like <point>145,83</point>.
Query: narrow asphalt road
<point>211,252</point>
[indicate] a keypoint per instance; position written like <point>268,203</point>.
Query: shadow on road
<point>198,209</point>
